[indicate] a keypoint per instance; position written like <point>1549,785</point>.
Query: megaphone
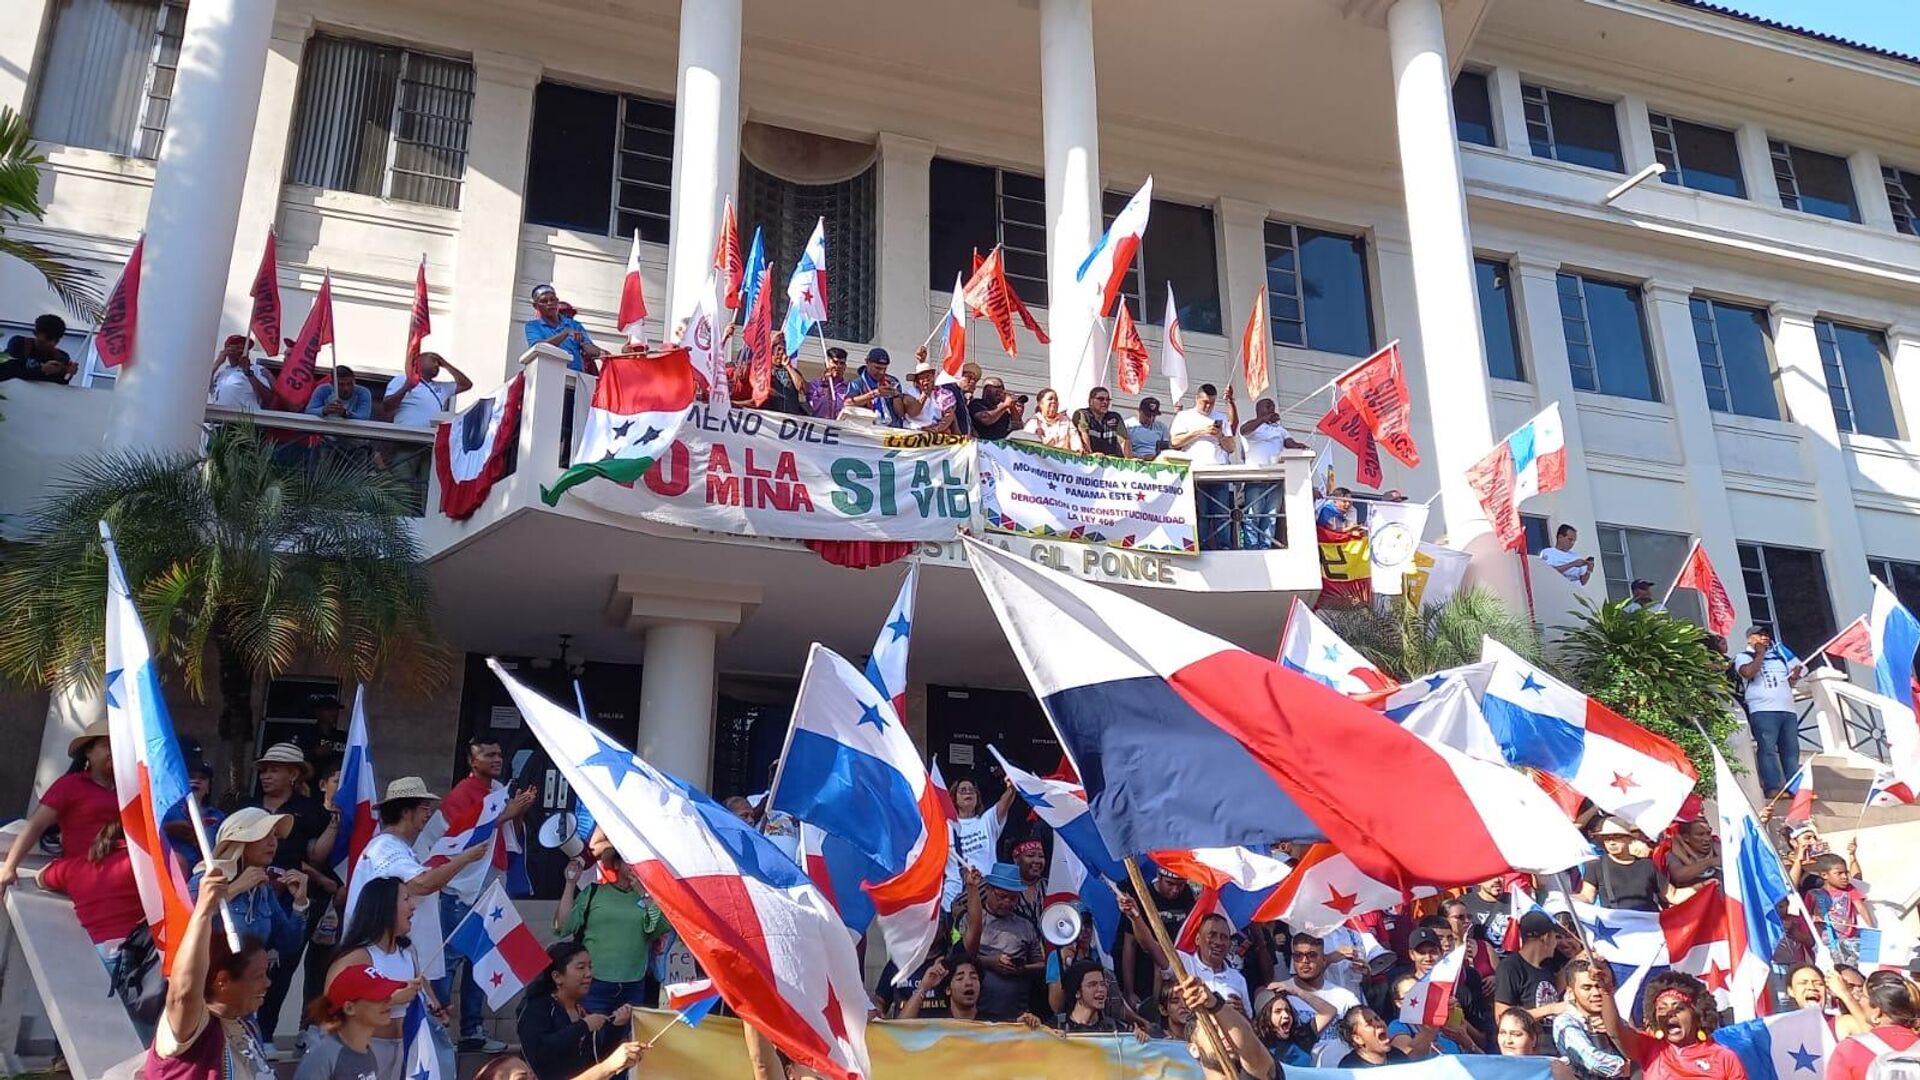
<point>559,831</point>
<point>1060,923</point>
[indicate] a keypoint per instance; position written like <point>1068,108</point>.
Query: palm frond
<point>72,284</point>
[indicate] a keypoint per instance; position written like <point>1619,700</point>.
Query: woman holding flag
<point>377,937</point>
<point>205,1032</point>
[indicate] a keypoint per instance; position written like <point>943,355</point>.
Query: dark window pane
<point>1621,357</point>
<point>959,219</point>
<point>1536,529</point>
<point>1709,159</point>
<point>1473,108</point>
<point>787,211</point>
<point>1179,247</point>
<point>1824,184</point>
<point>570,170</point>
<point>1497,329</point>
<point>1903,196</point>
<point>1904,579</point>
<point>1868,380</point>
<point>1803,614</point>
<point>1585,132</point>
<point>1746,355</point>
<point>1339,308</point>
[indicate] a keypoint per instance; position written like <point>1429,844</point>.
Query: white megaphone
<point>559,831</point>
<point>1060,923</point>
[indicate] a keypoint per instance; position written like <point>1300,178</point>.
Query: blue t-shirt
<point>188,849</point>
<point>359,403</point>
<point>539,330</point>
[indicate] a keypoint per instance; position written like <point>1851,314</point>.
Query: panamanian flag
<point>638,405</point>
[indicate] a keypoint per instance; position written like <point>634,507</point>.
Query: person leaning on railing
<point>341,398</point>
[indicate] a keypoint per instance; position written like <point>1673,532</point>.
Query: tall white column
<point>191,220</point>
<point>706,146</point>
<point>904,240</point>
<point>20,47</point>
<point>1457,407</point>
<point>1673,339</point>
<point>676,700</point>
<point>1070,119</point>
<point>266,168</point>
<point>1805,382</point>
<point>1537,310</point>
<point>1240,228</point>
<point>486,262</point>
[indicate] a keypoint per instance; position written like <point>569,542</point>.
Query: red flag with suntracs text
<point>1129,352</point>
<point>1377,391</point>
<point>299,375</point>
<point>727,263</point>
<point>1698,575</point>
<point>1256,346</point>
<point>264,322</point>
<point>1344,425</point>
<point>113,340</point>
<point>419,322</point>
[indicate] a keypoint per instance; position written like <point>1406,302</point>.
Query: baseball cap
<point>1537,924</point>
<point>1423,937</point>
<point>1149,405</point>
<point>880,354</point>
<point>362,984</point>
<point>1642,583</point>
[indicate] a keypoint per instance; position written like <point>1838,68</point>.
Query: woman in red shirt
<point>105,898</point>
<point>1676,1046</point>
<point>1896,1026</point>
<point>81,803</point>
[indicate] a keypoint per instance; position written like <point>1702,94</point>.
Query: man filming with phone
<point>469,806</point>
<point>996,413</point>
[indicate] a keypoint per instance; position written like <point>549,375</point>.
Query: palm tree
<point>1407,643</point>
<point>20,198</point>
<point>236,556</point>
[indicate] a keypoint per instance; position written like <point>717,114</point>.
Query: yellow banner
<point>903,1049</point>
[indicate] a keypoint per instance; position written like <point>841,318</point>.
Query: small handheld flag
<point>356,795</point>
<point>632,318</point>
<point>692,1000</point>
<point>503,952</point>
<point>1173,352</point>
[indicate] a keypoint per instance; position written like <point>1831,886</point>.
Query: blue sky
<point>1889,24</point>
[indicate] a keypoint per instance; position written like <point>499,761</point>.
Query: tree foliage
<point>20,200</point>
<point>1653,669</point>
<point>1407,643</point>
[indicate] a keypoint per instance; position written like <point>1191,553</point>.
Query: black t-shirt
<point>1518,983</point>
<point>21,363</point>
<point>990,429</point>
<point>1353,1060</point>
<point>931,1003</point>
<point>324,748</point>
<point>1491,916</point>
<point>310,819</point>
<point>1634,886</point>
<point>1104,434</point>
<point>1173,914</point>
<point>1099,1025</point>
<point>785,397</point>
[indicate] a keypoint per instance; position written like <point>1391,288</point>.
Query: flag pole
<point>423,965</point>
<point>580,699</point>
<point>1684,563</point>
<point>206,853</point>
<point>1330,383</point>
<point>780,766</point>
<point>678,1017</point>
<point>1204,1023</point>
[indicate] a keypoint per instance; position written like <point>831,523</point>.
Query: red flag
<point>1256,346</point>
<point>1697,574</point>
<point>989,296</point>
<point>1130,353</point>
<point>298,375</point>
<point>1377,390</point>
<point>1345,426</point>
<point>756,339</point>
<point>1010,298</point>
<point>632,316</point>
<point>113,340</point>
<point>1491,479</point>
<point>419,323</point>
<point>1854,643</point>
<point>265,320</point>
<point>727,262</point>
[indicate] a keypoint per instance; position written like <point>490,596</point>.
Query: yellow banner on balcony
<point>754,473</point>
<point>949,1049</point>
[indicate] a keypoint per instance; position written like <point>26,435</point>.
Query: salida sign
<point>763,474</point>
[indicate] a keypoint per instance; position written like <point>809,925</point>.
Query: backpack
<point>1888,1063</point>
<point>137,978</point>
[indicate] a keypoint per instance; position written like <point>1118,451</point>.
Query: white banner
<point>1436,575</point>
<point>753,473</point>
<point>1394,530</point>
<point>1028,489</point>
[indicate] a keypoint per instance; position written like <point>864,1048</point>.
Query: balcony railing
<point>309,442</point>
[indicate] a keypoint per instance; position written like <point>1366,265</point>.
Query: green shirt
<point>621,928</point>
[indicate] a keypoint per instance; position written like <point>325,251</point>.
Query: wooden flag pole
<point>1204,1023</point>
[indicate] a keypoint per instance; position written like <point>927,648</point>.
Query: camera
<point>1020,398</point>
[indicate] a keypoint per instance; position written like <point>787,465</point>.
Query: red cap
<point>362,984</point>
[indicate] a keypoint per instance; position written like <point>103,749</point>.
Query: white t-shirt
<point>931,413</point>
<point>1201,451</point>
<point>388,856</point>
<point>1263,445</point>
<point>232,389</point>
<point>976,840</point>
<point>1569,564</point>
<point>1767,691</point>
<point>1330,1048</point>
<point>1350,975</point>
<point>1227,982</point>
<point>424,401</point>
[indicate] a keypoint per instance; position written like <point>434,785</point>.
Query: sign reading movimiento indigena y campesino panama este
<point>1027,489</point>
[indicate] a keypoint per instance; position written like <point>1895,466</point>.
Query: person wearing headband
<point>1680,1015</point>
<point>551,326</point>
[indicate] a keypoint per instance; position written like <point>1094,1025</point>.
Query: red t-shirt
<point>1851,1058</point>
<point>105,898</point>
<point>82,809</point>
<point>1701,1061</point>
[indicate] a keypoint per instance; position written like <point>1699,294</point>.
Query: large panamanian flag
<point>1895,635</point>
<point>1187,741</point>
<point>759,929</point>
<point>357,795</point>
<point>638,404</point>
<point>1105,268</point>
<point>1754,883</point>
<point>149,776</point>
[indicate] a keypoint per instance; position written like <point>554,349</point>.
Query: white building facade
<point>1734,344</point>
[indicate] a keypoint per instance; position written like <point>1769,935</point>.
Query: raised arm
<point>186,1006</point>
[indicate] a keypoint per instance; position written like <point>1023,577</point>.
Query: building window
<point>1902,577</point>
<point>1317,289</point>
<point>106,80</point>
<point>1498,331</point>
<point>1576,130</point>
<point>1736,358</point>
<point>1859,378</point>
<point>600,163</point>
<point>1473,108</point>
<point>1178,247</point>
<point>786,211</point>
<point>379,120</point>
<point>1814,182</point>
<point>1627,554</point>
<point>974,207</point>
<point>1697,156</point>
<point>1606,337</point>
<point>1903,195</point>
<point>1787,590</point>
<point>1539,535</point>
